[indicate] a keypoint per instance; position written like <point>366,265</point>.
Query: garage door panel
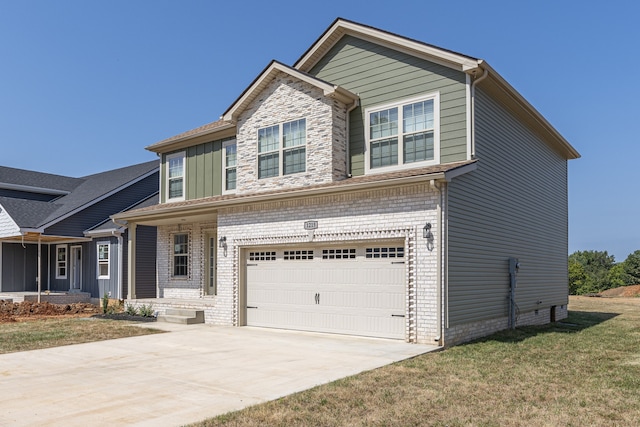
<point>341,290</point>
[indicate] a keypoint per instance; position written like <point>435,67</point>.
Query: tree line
<point>591,272</point>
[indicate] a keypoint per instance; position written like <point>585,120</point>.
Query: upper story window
<point>61,261</point>
<point>229,165</point>
<point>404,134</point>
<point>103,260</point>
<point>175,176</point>
<point>282,149</point>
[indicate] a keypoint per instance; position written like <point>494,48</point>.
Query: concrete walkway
<point>186,375</point>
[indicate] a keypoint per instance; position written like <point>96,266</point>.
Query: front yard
<point>582,371</point>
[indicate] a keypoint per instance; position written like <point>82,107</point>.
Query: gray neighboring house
<point>380,186</point>
<point>62,224</point>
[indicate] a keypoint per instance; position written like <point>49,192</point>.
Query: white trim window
<point>175,176</point>
<point>180,255</point>
<point>61,261</point>
<point>402,135</point>
<point>282,149</point>
<point>229,166</point>
<point>103,260</point>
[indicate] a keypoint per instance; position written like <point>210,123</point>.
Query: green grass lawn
<point>583,371</point>
<point>37,334</point>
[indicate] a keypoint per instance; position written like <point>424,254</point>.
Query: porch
<point>46,296</point>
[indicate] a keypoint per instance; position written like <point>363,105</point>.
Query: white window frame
<point>399,104</point>
<point>64,263</point>
<point>281,148</point>
<point>174,255</point>
<point>102,262</point>
<point>225,167</point>
<point>168,178</point>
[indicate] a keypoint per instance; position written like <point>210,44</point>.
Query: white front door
<point>357,289</point>
<point>76,267</point>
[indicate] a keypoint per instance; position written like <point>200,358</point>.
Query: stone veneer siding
<point>286,99</point>
<point>470,331</point>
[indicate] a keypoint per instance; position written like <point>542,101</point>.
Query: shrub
<point>146,310</point>
<point>131,310</point>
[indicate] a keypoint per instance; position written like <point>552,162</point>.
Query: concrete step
<point>182,316</point>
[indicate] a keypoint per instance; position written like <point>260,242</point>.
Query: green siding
<point>513,205</point>
<point>203,170</point>
<point>381,75</point>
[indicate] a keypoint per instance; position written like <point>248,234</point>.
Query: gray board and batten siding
<point>20,266</point>
<point>513,205</point>
<point>381,75</point>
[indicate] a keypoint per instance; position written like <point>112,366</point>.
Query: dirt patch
<point>623,292</point>
<point>27,310</point>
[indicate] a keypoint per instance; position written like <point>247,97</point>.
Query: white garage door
<point>356,289</point>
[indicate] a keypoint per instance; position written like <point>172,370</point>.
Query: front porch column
<point>131,260</point>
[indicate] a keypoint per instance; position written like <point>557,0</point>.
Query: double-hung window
<point>229,165</point>
<point>403,134</point>
<point>175,176</point>
<point>282,149</point>
<point>103,260</point>
<point>180,255</point>
<point>61,261</point>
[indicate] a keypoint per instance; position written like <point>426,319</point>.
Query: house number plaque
<point>310,225</point>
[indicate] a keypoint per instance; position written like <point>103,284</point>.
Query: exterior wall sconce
<point>427,234</point>
<point>222,244</point>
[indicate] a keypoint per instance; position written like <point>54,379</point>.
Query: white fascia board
<point>399,43</point>
<point>328,89</point>
<point>99,199</point>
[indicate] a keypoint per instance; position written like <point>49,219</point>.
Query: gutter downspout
<point>355,104</point>
<point>473,111</point>
<point>434,185</point>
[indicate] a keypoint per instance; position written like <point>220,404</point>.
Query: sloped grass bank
<point>582,371</point>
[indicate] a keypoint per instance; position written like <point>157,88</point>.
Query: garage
<point>356,289</point>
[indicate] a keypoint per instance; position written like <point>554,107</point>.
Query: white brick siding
<point>381,214</point>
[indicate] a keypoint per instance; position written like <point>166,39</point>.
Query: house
<point>56,231</point>
<point>380,186</point>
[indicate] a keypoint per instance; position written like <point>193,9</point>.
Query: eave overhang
<point>208,206</point>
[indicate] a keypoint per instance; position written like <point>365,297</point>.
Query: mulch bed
<point>124,316</point>
<point>28,310</point>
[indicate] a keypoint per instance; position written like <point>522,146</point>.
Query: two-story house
<point>380,186</point>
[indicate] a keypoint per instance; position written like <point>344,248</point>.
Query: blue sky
<point>86,85</point>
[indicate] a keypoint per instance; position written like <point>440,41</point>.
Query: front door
<point>210,265</point>
<point>76,268</point>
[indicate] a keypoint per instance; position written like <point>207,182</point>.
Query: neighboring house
<point>63,225</point>
<point>380,187</point>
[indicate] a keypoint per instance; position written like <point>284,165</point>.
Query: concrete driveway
<point>183,376</point>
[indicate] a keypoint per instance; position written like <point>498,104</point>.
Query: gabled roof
<point>107,226</point>
<point>36,182</point>
<point>341,27</point>
<point>265,77</point>
<point>81,193</point>
<point>228,119</point>
<point>495,84</point>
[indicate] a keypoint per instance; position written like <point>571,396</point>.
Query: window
<point>103,260</point>
<point>175,176</point>
<point>298,255</point>
<point>384,252</point>
<point>338,254</point>
<point>403,134</point>
<point>61,261</point>
<point>262,256</point>
<point>181,255</point>
<point>282,149</point>
<point>229,166</point>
